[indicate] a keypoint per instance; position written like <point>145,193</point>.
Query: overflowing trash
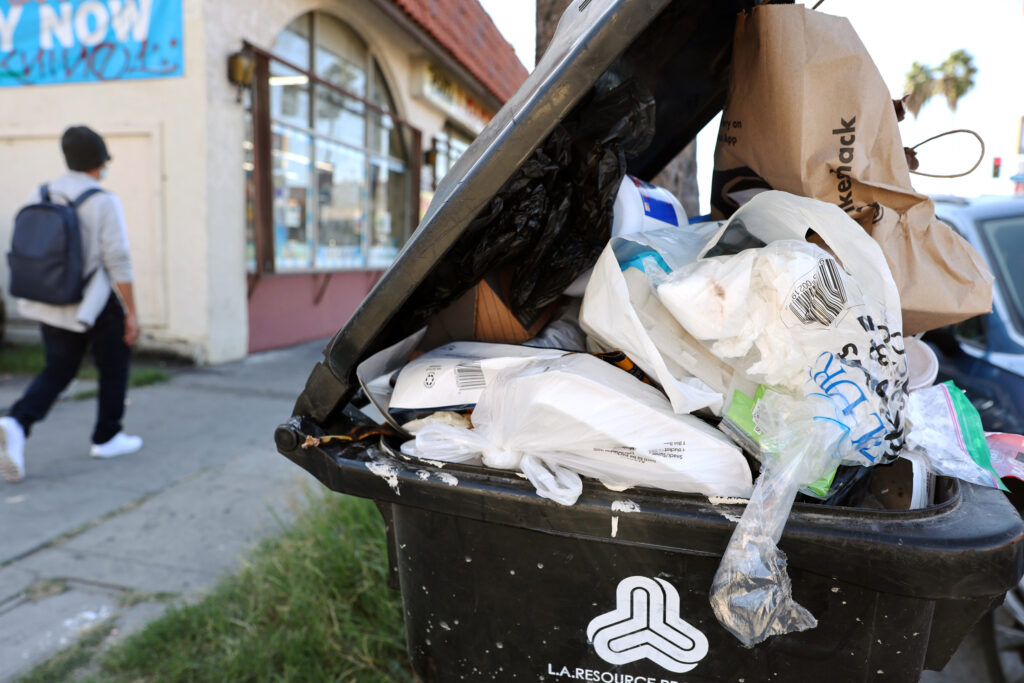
<point>676,363</point>
<point>583,328</point>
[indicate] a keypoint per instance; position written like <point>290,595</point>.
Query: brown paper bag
<point>808,113</point>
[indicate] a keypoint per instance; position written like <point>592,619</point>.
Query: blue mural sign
<point>45,42</point>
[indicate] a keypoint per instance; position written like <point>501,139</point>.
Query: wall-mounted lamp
<point>241,66</point>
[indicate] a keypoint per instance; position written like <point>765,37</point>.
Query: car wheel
<point>1006,642</point>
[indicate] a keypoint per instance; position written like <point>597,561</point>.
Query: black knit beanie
<point>84,149</point>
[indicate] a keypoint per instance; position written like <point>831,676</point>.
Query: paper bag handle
<point>912,156</point>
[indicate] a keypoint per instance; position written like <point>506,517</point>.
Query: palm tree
<point>953,79</point>
<point>920,86</point>
<point>957,77</point>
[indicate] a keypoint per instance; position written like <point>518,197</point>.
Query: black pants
<point>64,351</point>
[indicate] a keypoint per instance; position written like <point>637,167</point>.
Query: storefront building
<point>272,156</point>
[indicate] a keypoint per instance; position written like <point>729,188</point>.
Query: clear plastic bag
<point>751,594</point>
<point>791,311</point>
<point>947,430</point>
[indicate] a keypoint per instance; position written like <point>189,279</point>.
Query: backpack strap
<point>44,193</point>
<point>85,195</point>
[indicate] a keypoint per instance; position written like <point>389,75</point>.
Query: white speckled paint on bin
<point>624,506</point>
<point>449,479</point>
<point>387,472</point>
<point>721,500</point>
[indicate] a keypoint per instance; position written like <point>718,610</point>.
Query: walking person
<point>108,304</point>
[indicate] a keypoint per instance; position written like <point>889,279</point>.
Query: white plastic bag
<point>801,320</point>
<point>620,312</point>
<point>577,415</point>
<point>823,332</point>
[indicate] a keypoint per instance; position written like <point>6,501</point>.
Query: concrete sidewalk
<point>78,536</point>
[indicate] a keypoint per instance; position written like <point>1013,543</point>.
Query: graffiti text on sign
<point>103,62</point>
<point>66,41</point>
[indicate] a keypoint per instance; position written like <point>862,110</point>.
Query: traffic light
<point>997,163</point>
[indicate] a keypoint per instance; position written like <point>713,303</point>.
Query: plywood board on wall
<point>135,175</point>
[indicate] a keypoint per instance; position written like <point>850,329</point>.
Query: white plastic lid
<point>923,364</point>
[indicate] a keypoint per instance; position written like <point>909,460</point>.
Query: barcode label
<point>822,298</point>
<point>469,376</point>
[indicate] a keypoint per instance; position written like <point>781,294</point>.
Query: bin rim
<point>969,546</point>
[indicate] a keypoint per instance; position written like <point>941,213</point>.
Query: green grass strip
<point>21,359</point>
<point>311,605</point>
<point>28,359</point>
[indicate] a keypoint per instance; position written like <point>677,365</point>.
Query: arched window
<point>337,156</point>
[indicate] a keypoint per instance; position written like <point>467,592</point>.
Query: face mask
<point>103,173</point>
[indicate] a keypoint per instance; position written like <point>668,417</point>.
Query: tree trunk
<point>548,14</point>
<point>680,175</point>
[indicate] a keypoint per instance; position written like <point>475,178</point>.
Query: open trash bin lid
<point>679,51</point>
<point>894,592</point>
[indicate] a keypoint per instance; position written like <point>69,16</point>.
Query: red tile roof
<point>464,29</point>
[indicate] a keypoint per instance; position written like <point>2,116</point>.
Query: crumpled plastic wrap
<point>552,218</point>
<point>557,419</point>
<point>751,594</point>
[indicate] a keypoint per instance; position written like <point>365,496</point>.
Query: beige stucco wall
<point>156,130</point>
<point>177,147</point>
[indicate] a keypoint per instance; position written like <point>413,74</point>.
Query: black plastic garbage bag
<point>553,216</point>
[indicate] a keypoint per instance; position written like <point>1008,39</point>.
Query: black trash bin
<point>499,584</point>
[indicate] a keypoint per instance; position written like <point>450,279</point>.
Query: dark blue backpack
<point>46,251</point>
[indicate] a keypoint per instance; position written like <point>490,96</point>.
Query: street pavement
<point>81,537</point>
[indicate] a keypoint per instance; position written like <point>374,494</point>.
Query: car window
<point>971,330</point>
<point>1005,237</point>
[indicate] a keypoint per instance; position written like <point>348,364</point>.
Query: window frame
<point>998,266</point>
<point>262,125</point>
<point>448,131</point>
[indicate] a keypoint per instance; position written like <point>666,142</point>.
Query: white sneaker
<point>120,444</point>
<point>12,450</point>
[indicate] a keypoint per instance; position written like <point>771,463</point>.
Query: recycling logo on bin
<point>646,624</point>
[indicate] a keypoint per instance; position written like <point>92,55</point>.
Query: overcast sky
<point>896,33</point>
